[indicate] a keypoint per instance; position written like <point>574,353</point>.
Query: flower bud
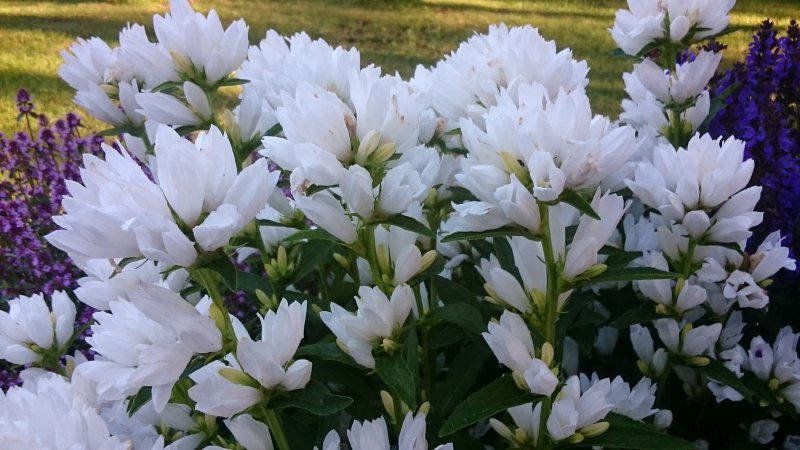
<point>576,438</point>
<point>699,361</point>
<point>595,429</point>
<point>388,405</point>
<point>502,429</point>
<point>237,377</point>
<point>547,353</point>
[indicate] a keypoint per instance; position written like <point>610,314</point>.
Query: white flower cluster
<point>378,174</point>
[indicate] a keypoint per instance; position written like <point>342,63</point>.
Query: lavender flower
<point>764,111</point>
<point>34,167</point>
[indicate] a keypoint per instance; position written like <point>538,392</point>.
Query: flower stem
<point>276,429</point>
<point>552,276</point>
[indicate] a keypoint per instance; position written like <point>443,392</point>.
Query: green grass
<point>396,36</point>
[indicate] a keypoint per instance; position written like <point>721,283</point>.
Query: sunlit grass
<point>395,35</point>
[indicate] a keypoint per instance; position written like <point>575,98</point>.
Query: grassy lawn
<point>396,36</point>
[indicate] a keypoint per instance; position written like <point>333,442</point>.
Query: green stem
<point>372,256</point>
<point>686,266</point>
<point>276,429</point>
<point>552,276</point>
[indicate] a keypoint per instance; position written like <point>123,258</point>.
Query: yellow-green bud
<point>519,380</point>
<point>699,361</point>
<point>576,438</point>
<point>774,384</point>
<point>502,429</point>
<point>593,271</point>
<point>595,429</point>
<point>384,262</point>
<point>237,377</point>
<point>389,345</point>
<point>342,261</point>
<point>383,153</point>
<point>424,408</point>
<point>388,404</point>
<point>662,309</point>
<point>643,367</point>
<point>547,353</point>
<point>513,165</point>
<point>366,147</point>
<point>427,259</point>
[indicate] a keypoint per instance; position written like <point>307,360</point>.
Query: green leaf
<point>502,231</point>
<point>716,370</point>
<point>138,400</point>
<point>627,433</point>
<point>328,351</point>
<point>272,223</point>
<point>233,82</point>
<point>452,292</point>
<point>227,271</point>
<point>496,397</point>
<point>461,375</point>
<point>618,257</point>
<point>643,313</point>
<point>461,314</point>
<point>571,197</point>
<point>615,274</point>
<point>410,224</point>
<point>395,373</point>
<point>311,235</point>
<point>505,255</point>
<point>759,388</point>
<point>314,398</point>
<point>312,254</point>
<point>249,282</point>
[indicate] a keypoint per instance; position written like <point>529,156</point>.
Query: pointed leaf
<point>410,224</point>
<point>314,398</point>
<point>630,434</point>
<point>572,198</point>
<point>311,235</point>
<point>395,373</point>
<point>311,256</point>
<point>615,274</point>
<point>461,376</point>
<point>496,397</point>
<point>461,314</point>
<point>643,313</point>
<point>502,231</point>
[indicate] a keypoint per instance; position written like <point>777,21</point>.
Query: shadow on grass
<point>107,28</point>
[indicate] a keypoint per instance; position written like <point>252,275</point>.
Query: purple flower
<point>761,107</point>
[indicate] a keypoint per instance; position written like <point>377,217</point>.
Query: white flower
<point>117,213</point>
<point>151,60</point>
<point>529,257</point>
<point>572,411</point>
<point>222,390</point>
<point>232,199</point>
<point>769,258</point>
<point>688,21</point>
<point>510,341</point>
<point>691,341</point>
<point>280,64</point>
<point>199,43</point>
<point>742,287</point>
<point>47,413</point>
<point>466,82</point>
<point>166,109</point>
<point>30,328</point>
<point>593,234</point>
<point>327,212</point>
<point>706,175</point>
<point>688,81</point>
<point>527,418</point>
<point>636,402</point>
<point>369,435</point>
<point>763,431</point>
<point>148,341</point>
<point>377,319</point>
<point>654,360</point>
<point>249,433</point>
<point>374,435</point>
<point>217,395</point>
